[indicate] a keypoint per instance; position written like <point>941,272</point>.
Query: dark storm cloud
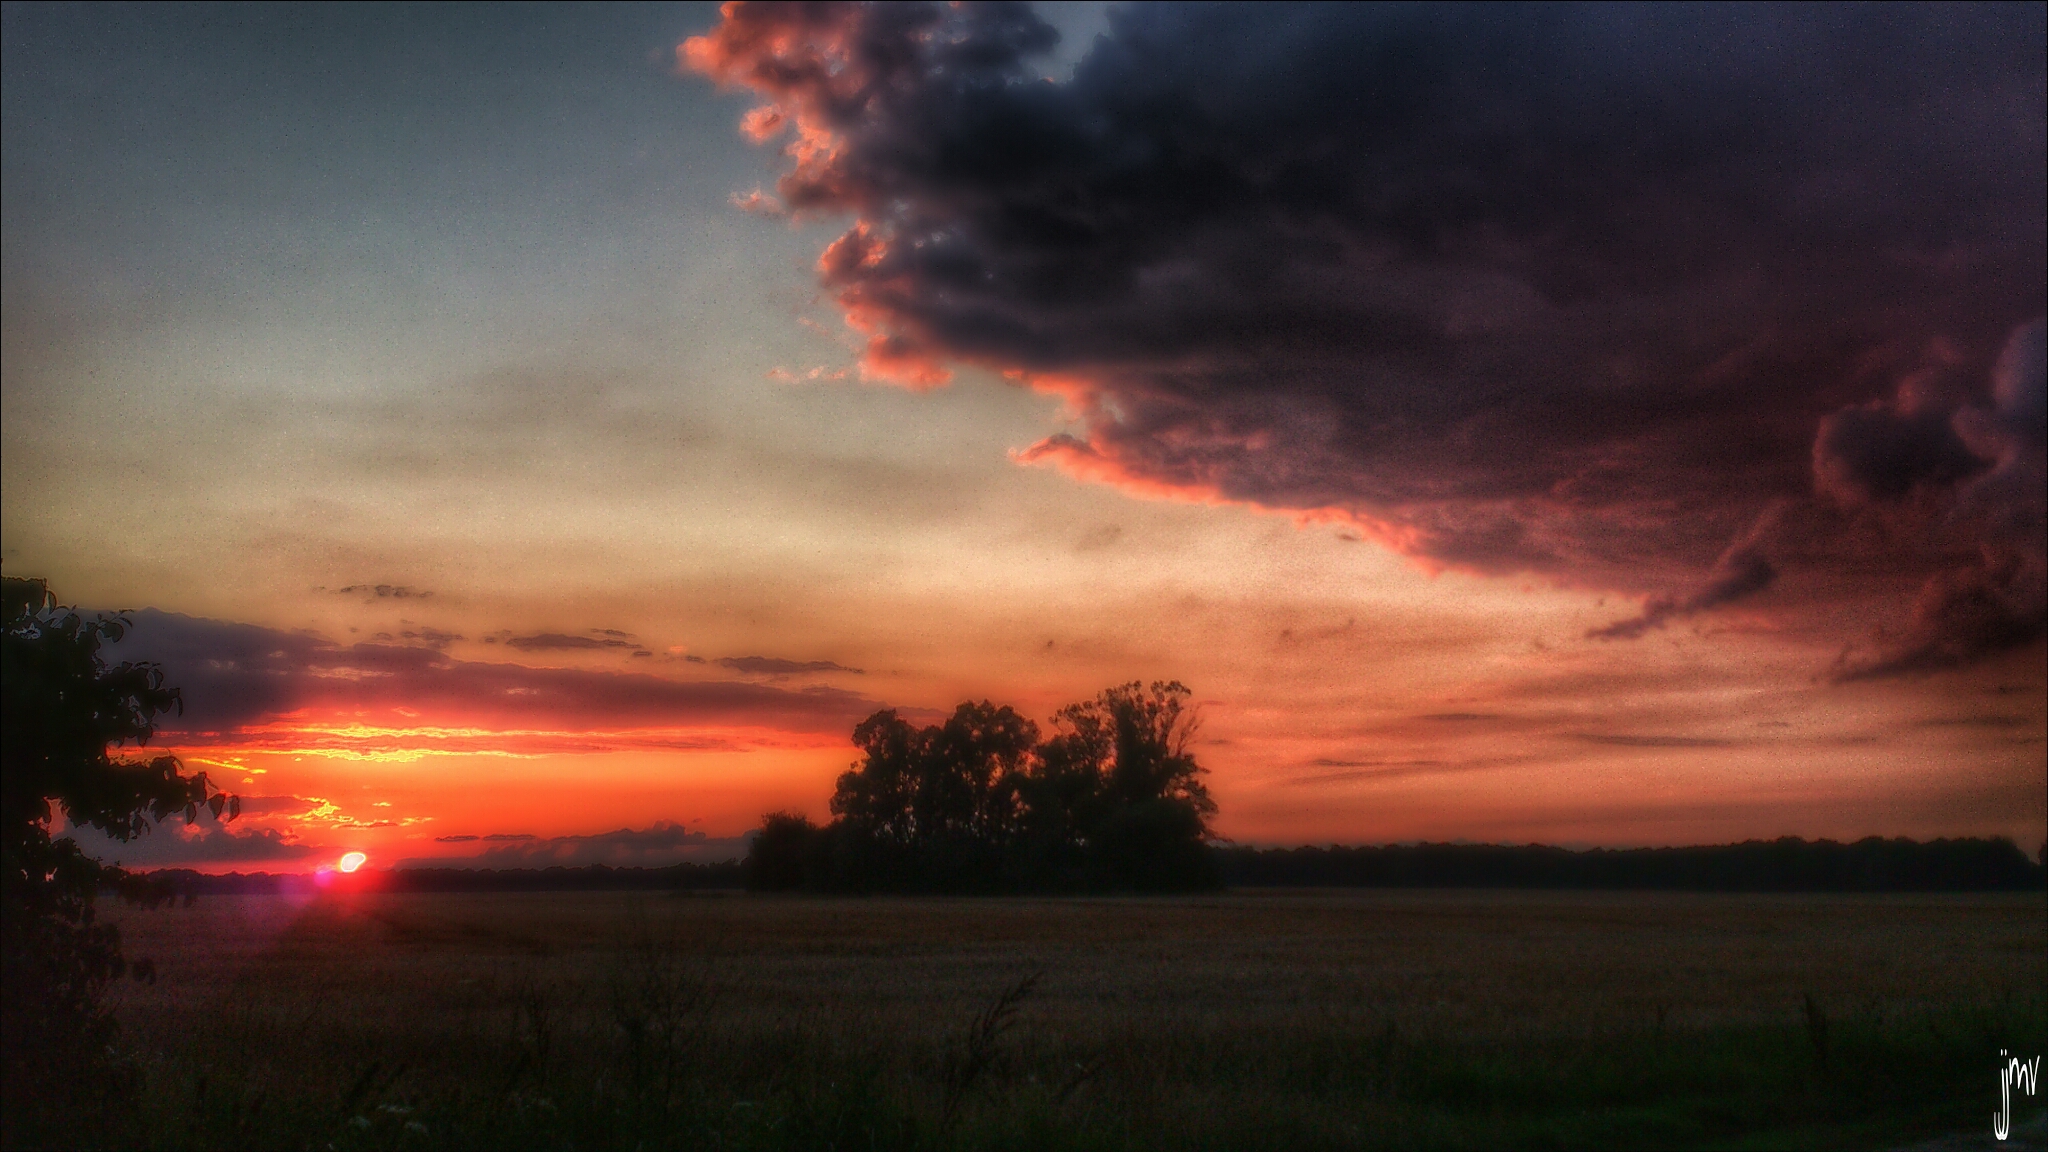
<point>1998,600</point>
<point>1741,571</point>
<point>1874,452</point>
<point>779,667</point>
<point>1587,292</point>
<point>1964,615</point>
<point>233,675</point>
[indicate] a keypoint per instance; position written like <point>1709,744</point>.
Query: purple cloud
<point>233,675</point>
<point>662,843</point>
<point>1579,292</point>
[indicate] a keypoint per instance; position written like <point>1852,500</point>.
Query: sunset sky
<point>539,434</point>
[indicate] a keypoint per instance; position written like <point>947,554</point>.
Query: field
<point>1256,1019</point>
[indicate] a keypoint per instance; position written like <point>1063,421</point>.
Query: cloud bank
<point>662,843</point>
<point>172,843</point>
<point>776,666</point>
<point>1668,301</point>
<point>236,676</point>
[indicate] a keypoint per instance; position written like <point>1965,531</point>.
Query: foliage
<point>1112,800</point>
<point>779,856</point>
<point>1788,864</point>
<point>64,708</point>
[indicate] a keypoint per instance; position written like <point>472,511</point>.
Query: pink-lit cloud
<point>267,688</point>
<point>1669,302</point>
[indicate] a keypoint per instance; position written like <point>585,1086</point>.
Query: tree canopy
<point>67,712</point>
<point>1111,799</point>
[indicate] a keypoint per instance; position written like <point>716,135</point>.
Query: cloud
<point>431,637</point>
<point>254,806</point>
<point>778,667</point>
<point>662,843</point>
<point>1886,449</point>
<point>1740,572</point>
<point>235,676</point>
<point>1577,292</point>
<point>1982,720</point>
<point>759,203</point>
<point>1991,595</point>
<point>493,837</point>
<point>1963,616</point>
<point>1356,770</point>
<point>558,642</point>
<point>171,845</point>
<point>1621,741</point>
<point>384,591</point>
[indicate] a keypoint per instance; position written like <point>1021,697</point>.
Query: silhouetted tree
<point>64,708</point>
<point>973,765</point>
<point>879,795</point>
<point>1114,799</point>
<point>1146,826</point>
<point>782,856</point>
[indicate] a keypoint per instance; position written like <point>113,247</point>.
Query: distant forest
<point>1787,865</point>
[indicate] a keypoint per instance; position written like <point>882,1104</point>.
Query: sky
<point>538,434</point>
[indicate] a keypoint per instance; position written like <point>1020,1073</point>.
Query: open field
<point>1296,1019</point>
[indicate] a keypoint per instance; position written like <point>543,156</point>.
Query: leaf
<point>234,807</point>
<point>217,802</point>
<point>191,813</point>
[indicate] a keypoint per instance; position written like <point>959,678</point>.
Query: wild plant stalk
<point>1817,1032</point>
<point>984,1038</point>
<point>657,1006</point>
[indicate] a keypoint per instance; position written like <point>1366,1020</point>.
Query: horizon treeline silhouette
<point>1112,800</point>
<point>1787,864</point>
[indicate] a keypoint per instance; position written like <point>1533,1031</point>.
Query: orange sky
<point>480,469</point>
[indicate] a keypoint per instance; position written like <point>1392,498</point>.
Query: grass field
<point>1259,1019</point>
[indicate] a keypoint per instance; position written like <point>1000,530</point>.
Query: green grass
<point>1319,1020</point>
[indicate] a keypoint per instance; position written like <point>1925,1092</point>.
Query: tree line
<point>1112,799</point>
<point>1788,864</point>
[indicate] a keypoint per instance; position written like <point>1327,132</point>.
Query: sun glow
<point>353,861</point>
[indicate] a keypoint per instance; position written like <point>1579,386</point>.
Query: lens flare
<point>353,861</point>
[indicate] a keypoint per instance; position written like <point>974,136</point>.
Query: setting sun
<point>1121,572</point>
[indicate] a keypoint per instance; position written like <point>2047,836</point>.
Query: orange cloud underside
<point>392,789</point>
<point>360,740</point>
<point>1309,750</point>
